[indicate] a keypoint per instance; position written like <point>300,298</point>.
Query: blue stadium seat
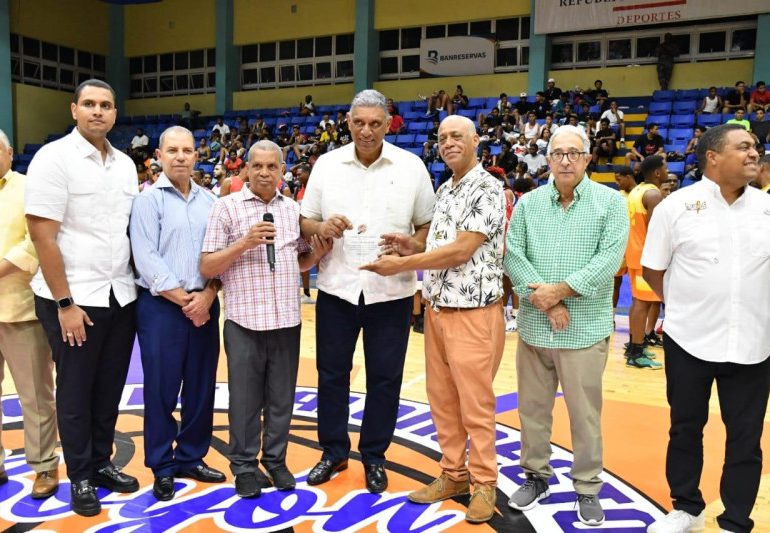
<point>688,94</point>
<point>491,102</point>
<point>661,120</point>
<point>663,132</point>
<point>416,150</point>
<point>676,167</point>
<point>413,115</point>
<point>679,134</point>
<point>662,96</point>
<point>468,113</point>
<point>709,120</point>
<point>495,149</point>
<point>406,139</point>
<point>681,108</point>
<point>675,147</point>
<point>391,138</point>
<point>476,103</point>
<point>419,127</point>
<point>686,183</point>
<point>682,121</point>
<point>659,108</point>
<point>420,138</point>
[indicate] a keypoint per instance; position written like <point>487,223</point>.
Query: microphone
<point>270,247</point>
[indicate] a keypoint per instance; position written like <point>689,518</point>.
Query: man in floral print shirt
<point>464,325</point>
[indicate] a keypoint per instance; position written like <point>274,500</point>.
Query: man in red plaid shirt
<point>262,315</point>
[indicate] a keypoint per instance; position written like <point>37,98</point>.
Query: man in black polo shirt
<point>647,144</point>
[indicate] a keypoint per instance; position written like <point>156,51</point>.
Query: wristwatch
<point>64,303</point>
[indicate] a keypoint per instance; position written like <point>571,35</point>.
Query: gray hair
<point>370,98</point>
<point>574,130</point>
<point>4,140</point>
<point>266,146</point>
<point>175,129</point>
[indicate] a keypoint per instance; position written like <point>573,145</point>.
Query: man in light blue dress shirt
<point>177,317</point>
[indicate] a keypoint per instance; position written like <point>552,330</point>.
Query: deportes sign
<point>457,56</point>
<point>332,507</point>
<point>559,16</point>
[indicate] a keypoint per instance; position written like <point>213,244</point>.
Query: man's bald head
<point>457,144</point>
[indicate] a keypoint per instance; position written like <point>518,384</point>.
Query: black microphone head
<point>267,217</point>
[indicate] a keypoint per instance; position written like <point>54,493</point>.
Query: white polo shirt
<point>67,181</point>
<point>393,195</point>
<point>717,262</point>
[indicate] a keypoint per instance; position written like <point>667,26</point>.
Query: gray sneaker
<point>532,491</point>
<point>590,510</point>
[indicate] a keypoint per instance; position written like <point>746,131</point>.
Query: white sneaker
<point>307,299</point>
<point>678,522</point>
<point>510,325</point>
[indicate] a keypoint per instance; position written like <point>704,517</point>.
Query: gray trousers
<point>262,375</point>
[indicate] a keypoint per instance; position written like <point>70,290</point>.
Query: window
<point>435,32</point>
<point>389,65</point>
<point>173,73</point>
<point>410,63</point>
<point>507,29</point>
<point>483,27</point>
<point>410,37</point>
<point>723,40</point>
<point>506,57</point>
<point>457,30</point>
<point>323,60</point>
<point>46,64</point>
<point>389,40</point>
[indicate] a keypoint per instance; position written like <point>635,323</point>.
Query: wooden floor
<point>635,417</point>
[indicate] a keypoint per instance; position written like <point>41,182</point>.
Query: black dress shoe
<point>376,478</point>
<point>281,477</point>
<point>247,485</point>
<point>83,500</point>
<point>111,478</point>
<point>203,473</point>
<point>322,472</point>
<point>163,488</point>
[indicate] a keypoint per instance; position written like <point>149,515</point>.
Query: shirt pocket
<point>759,228</point>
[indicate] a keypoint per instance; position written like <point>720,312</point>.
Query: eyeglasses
<point>572,156</point>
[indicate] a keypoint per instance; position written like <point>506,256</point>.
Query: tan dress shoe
<point>46,484</point>
<point>482,505</point>
<point>442,488</point>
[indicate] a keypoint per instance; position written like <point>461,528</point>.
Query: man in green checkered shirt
<point>564,245</point>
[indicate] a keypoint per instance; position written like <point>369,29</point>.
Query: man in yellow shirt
<point>641,201</point>
<point>23,344</point>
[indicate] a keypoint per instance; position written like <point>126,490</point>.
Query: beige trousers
<point>540,370</point>
<point>463,349</point>
<point>24,347</point>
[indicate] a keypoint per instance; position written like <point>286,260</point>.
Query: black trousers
<point>386,334</point>
<point>89,382</point>
<point>743,393</point>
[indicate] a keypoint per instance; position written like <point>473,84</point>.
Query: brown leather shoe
<point>46,484</point>
<point>442,488</point>
<point>482,505</point>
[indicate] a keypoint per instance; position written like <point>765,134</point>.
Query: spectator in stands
<point>326,120</point>
<point>690,158</point>
<point>760,98</point>
<point>598,95</point>
<point>343,133</point>
<point>142,174</point>
<point>522,106</point>
<point>503,103</point>
<point>585,112</point>
<point>262,346</point>
<point>536,163</point>
<point>151,177</point>
<point>256,130</point>
<point>307,108</point>
<point>510,125</point>
<point>521,148</point>
<point>242,129</point>
<point>23,343</point>
<point>541,107</point>
<point>542,141</point>
<point>590,127</point>
<point>350,300</point>
<point>763,177</point>
<point>709,248</point>
<point>552,93</point>
<point>563,276</point>
<point>712,103</point>
<point>328,138</point>
<point>189,117</point>
<point>297,143</point>
<point>760,127</point>
<point>616,118</point>
<point>233,163</point>
<point>76,297</point>
<point>486,159</point>
<point>646,145</point>
<point>220,127</point>
<point>673,181</point>
<point>506,159</point>
<point>521,172</point>
<point>665,189</point>
<point>736,98</point>
<point>139,145</point>
<point>531,129</point>
<point>604,142</point>
<point>177,318</point>
<point>549,125</point>
<point>740,119</point>
<point>429,147</point>
<point>459,100</point>
<point>642,201</point>
<point>397,124</point>
<point>561,113</point>
<point>666,52</point>
<point>438,101</point>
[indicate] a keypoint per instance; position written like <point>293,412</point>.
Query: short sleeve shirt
<point>476,203</point>
<point>646,146</point>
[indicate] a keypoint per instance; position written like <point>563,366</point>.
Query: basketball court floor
<point>635,421</point>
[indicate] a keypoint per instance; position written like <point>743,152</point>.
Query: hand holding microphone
<point>270,246</point>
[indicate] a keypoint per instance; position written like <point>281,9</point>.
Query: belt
<point>459,309</point>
